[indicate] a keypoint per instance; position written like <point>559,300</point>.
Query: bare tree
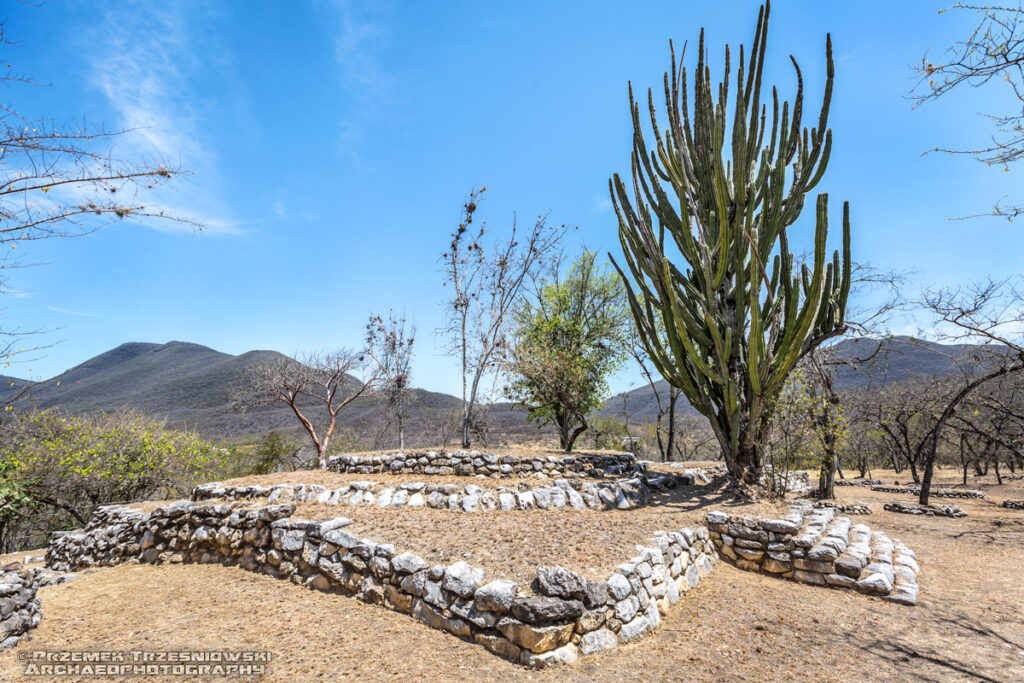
<point>875,298</point>
<point>990,426</point>
<point>665,420</point>
<point>389,343</point>
<point>62,180</point>
<point>316,387</point>
<point>486,282</point>
<point>990,314</point>
<point>994,51</point>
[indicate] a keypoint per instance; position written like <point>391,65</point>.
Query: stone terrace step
<point>817,546</point>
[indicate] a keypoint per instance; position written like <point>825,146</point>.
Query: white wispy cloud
<point>361,35</point>
<point>77,314</point>
<point>145,58</point>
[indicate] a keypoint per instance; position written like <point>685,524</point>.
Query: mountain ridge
<point>191,385</point>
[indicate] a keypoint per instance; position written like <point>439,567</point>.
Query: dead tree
<point>486,281</point>
<point>315,387</point>
<point>390,343</point>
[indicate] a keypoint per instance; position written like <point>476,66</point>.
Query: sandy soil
<point>737,626</point>
<point>21,555</point>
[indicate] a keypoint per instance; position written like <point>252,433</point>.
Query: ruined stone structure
<point>818,547</point>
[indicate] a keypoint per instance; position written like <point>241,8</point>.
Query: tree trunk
<point>746,467</point>
<point>926,485</point>
<point>827,476</point>
<point>913,472</point>
<point>567,435</point>
<point>466,415</point>
<point>673,396</point>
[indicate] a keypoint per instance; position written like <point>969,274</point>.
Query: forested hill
<point>872,361</point>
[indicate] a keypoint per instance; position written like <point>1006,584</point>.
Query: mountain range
<point>193,386</point>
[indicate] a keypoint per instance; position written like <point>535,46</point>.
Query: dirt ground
<point>735,626</point>
<point>510,544</point>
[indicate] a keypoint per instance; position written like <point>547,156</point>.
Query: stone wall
<point>853,508</point>
<point>816,546</point>
<point>20,609</point>
<point>624,494</point>
<point>469,463</point>
<point>857,482</point>
<point>563,615</point>
<point>938,493</point>
<point>1014,504</point>
<point>927,510</point>
<point>798,481</point>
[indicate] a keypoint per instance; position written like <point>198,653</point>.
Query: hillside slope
<point>193,386</point>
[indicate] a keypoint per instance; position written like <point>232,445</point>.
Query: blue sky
<point>332,144</point>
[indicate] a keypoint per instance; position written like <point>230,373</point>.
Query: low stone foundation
<point>855,508</point>
<point>1014,504</point>
<point>474,463</point>
<point>701,475</point>
<point>20,610</point>
<point>928,510</point>
<point>575,494</point>
<point>818,547</point>
<point>937,493</point>
<point>563,616</point>
<point>857,482</point>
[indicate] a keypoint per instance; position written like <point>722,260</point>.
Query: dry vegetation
<point>738,626</point>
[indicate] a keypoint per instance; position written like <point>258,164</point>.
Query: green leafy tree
<point>708,258</point>
<point>569,339</point>
<point>272,453</point>
<point>808,431</point>
<point>56,469</point>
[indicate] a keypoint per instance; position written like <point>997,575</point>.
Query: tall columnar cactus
<point>709,257</point>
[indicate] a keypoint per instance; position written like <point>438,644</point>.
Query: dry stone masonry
<point>928,510</point>
<point>937,493</point>
<point>20,609</point>
<point>573,494</point>
<point>854,508</point>
<point>857,482</point>
<point>1014,504</point>
<point>818,547</point>
<point>474,463</point>
<point>560,616</point>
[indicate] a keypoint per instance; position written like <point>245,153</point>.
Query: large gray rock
<point>875,584</point>
<point>626,609</point>
<point>462,579</point>
<point>559,582</point>
<point>496,596</point>
<point>408,563</point>
<point>634,629</point>
<point>595,594</point>
<point>619,586</point>
<point>533,610</point>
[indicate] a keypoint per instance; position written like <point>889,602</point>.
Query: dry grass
<point>510,544</point>
<point>20,557</point>
<point>737,626</point>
